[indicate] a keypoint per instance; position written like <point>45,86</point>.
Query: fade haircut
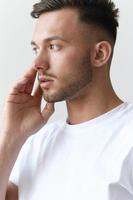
<point>101,13</point>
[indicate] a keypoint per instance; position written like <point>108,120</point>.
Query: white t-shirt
<point>88,161</point>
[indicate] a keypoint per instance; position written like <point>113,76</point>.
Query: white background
<point>16,29</point>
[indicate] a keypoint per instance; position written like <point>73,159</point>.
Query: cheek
<point>68,64</point>
<point>65,62</point>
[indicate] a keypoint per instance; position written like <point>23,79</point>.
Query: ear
<point>102,53</point>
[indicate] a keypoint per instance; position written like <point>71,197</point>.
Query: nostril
<point>38,67</point>
<point>41,66</point>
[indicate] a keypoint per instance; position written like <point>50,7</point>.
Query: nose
<point>41,62</point>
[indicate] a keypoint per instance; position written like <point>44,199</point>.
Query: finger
<point>30,73</point>
<point>19,86</point>
<point>38,93</point>
<point>30,86</point>
<point>26,83</point>
<point>48,111</point>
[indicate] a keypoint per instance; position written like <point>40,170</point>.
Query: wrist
<point>11,138</point>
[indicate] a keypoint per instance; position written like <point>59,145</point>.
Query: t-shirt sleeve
<point>126,179</point>
<point>123,189</point>
<point>30,152</point>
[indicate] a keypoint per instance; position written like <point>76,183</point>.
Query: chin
<point>57,96</point>
<point>52,100</point>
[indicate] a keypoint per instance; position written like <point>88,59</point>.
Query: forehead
<point>64,22</point>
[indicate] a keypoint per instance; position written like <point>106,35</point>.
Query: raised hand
<point>22,112</point>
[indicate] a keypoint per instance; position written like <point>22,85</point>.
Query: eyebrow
<point>49,39</point>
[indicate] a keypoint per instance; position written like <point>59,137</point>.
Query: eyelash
<point>35,49</point>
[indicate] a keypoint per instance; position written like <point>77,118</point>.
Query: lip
<point>44,79</point>
<point>46,84</point>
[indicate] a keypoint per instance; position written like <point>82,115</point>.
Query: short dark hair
<point>98,12</point>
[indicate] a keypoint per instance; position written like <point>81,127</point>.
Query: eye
<point>34,50</point>
<point>54,47</point>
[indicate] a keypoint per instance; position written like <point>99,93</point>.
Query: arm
<point>8,153</point>
<point>22,117</point>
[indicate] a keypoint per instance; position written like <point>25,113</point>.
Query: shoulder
<point>126,114</point>
<point>49,129</point>
<point>124,121</point>
<point>39,142</point>
<point>44,135</point>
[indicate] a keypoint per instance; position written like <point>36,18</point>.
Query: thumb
<point>48,111</point>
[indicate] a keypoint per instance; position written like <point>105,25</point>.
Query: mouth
<point>45,82</point>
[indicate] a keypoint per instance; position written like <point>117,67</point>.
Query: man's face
<point>65,58</point>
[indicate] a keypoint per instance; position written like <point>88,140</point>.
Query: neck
<point>91,102</point>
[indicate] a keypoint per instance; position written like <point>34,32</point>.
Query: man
<point>89,155</point>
